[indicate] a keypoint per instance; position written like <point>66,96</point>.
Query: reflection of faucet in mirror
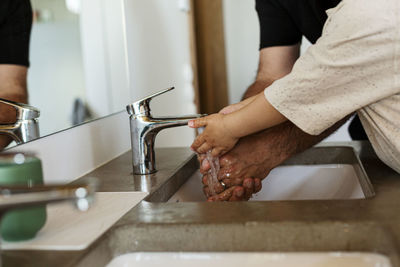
<point>12,197</point>
<point>26,127</point>
<point>144,129</point>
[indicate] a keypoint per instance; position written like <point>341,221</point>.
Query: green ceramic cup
<point>24,170</point>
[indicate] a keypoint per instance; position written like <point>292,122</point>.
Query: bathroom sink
<point>319,173</point>
<point>256,259</point>
<point>291,183</point>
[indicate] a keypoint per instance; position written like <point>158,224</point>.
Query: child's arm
<point>223,131</point>
<point>254,117</point>
<point>237,106</point>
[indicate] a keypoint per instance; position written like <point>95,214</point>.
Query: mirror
<point>56,75</point>
<point>56,81</point>
<point>90,58</point>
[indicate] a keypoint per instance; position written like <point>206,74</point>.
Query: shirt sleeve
<point>277,28</point>
<point>353,64</point>
<point>15,29</point>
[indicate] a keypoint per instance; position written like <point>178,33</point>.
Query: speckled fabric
<point>354,66</point>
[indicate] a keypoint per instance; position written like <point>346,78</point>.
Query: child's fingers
<point>204,148</point>
<point>200,122</point>
<point>197,142</point>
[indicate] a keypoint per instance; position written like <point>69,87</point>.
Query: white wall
<point>242,43</point>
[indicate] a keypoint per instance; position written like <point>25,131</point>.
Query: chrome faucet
<point>81,194</point>
<point>144,129</point>
<point>26,127</point>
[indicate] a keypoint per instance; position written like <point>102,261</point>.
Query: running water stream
<point>212,177</point>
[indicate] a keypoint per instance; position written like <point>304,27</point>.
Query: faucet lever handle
<point>24,111</point>
<point>143,106</point>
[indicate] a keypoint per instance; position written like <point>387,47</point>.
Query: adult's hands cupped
<point>232,192</point>
<point>243,168</point>
<point>250,161</point>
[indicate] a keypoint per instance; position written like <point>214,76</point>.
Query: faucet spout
<point>161,123</point>
<point>143,134</point>
<point>144,129</point>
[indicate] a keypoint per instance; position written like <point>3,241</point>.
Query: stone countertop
<point>367,225</point>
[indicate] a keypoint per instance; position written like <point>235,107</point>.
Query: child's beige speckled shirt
<point>354,66</point>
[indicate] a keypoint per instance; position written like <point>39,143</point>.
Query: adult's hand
<point>244,191</point>
<point>243,168</point>
<point>238,187</point>
<point>254,156</point>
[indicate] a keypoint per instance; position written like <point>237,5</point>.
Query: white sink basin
<point>292,182</point>
<point>240,259</point>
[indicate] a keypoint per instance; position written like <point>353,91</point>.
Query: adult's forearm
<point>13,79</point>
<point>13,86</point>
<point>257,87</point>
<point>8,114</point>
<point>293,140</point>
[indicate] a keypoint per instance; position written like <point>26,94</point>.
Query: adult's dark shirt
<point>15,29</point>
<point>285,22</point>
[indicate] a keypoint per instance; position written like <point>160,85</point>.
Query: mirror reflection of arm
<point>13,82</point>
<point>13,86</point>
<point>15,28</point>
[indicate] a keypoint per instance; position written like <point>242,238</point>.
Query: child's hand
<point>215,137</point>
